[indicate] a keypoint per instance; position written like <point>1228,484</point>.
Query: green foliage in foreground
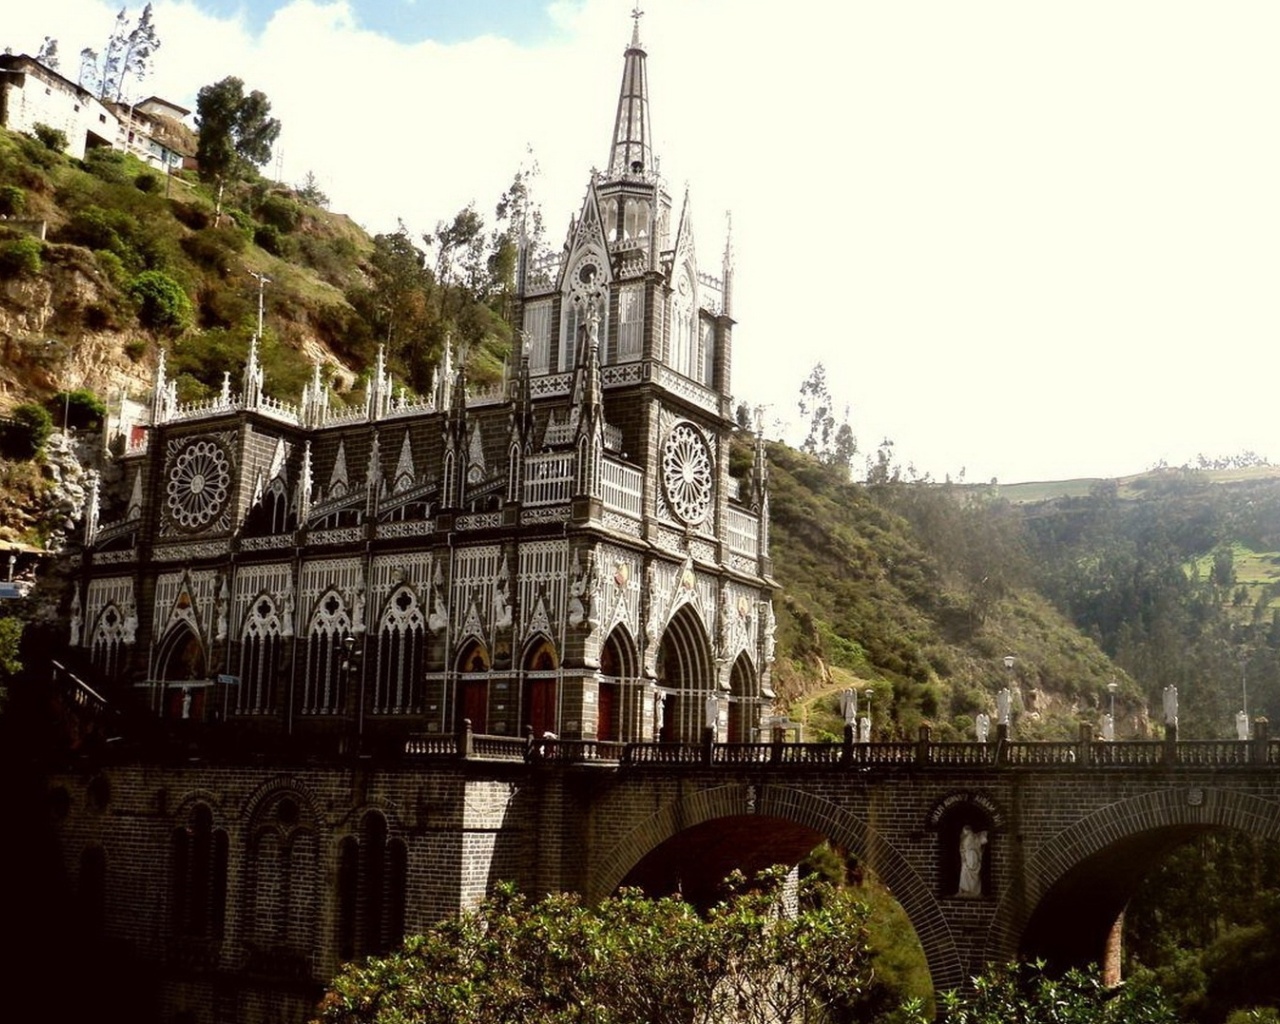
<point>1026,994</point>
<point>628,959</point>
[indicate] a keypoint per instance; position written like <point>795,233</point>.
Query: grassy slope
<point>869,601</point>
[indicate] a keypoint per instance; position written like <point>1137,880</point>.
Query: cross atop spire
<point>631,154</point>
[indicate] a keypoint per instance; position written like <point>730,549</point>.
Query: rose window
<point>199,483</point>
<point>686,473</point>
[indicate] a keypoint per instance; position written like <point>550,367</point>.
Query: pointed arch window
<point>683,344</point>
<point>324,686</point>
<point>107,648</point>
<point>636,224</point>
<point>537,333</point>
<point>630,322</point>
<point>587,290</point>
<point>401,650</point>
<point>260,650</point>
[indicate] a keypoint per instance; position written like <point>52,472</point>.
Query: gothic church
<point>308,598</point>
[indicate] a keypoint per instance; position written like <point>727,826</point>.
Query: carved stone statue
<point>971,854</point>
<point>982,726</point>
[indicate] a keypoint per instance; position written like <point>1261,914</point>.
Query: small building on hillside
<point>152,130</point>
<point>32,94</point>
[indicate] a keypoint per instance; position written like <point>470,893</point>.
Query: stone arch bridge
<point>993,850</point>
<point>1067,830</point>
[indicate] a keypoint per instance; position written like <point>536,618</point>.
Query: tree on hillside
<point>830,441</point>
<point>235,130</point>
<point>129,51</point>
<point>48,53</point>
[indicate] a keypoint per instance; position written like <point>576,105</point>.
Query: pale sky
<point>1028,240</point>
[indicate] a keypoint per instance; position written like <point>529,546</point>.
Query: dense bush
<point>215,248</point>
<point>20,257</point>
<point>281,213</point>
<point>147,182</point>
<point>268,238</point>
<point>162,304</point>
<point>13,200</point>
<point>25,433</point>
<point>82,408</point>
<point>52,138</point>
<point>110,165</point>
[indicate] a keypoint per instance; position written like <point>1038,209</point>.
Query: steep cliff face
<point>63,329</point>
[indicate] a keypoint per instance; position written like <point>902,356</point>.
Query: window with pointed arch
<point>198,876</point>
<point>630,322</point>
<point>324,685</point>
<point>372,871</point>
<point>271,513</point>
<point>281,865</point>
<point>684,316</point>
<point>636,221</point>
<point>619,700</point>
<point>587,290</point>
<point>402,636</point>
<point>107,647</point>
<point>260,651</point>
<point>744,704</point>
<point>537,335</point>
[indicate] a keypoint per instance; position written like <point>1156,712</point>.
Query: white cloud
<point>1030,240</point>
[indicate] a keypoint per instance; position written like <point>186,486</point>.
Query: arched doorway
<point>685,678</point>
<point>538,705</point>
<point>181,663</point>
<point>619,696</point>
<point>473,685</point>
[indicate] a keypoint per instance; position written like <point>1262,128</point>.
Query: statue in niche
<point>972,843</point>
<point>75,621</point>
<point>501,606</point>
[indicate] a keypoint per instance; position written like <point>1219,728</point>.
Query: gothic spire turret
<point>632,153</point>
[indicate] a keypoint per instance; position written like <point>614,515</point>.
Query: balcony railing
<point>622,488</point>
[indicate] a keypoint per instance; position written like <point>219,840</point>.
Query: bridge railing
<point>1131,754</point>
<point>922,754</point>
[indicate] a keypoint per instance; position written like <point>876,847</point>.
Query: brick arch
<point>797,807</point>
<point>281,784</point>
<point>1177,813</point>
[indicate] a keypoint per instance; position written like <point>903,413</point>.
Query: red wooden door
<point>475,704</point>
<point>540,705</point>
<point>607,712</point>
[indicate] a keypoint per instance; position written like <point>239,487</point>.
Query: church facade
<point>297,589</point>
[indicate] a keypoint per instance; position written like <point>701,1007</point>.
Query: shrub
<point>52,138</point>
<point>193,216</point>
<point>25,433</point>
<point>20,257</point>
<point>147,182</point>
<point>268,238</point>
<point>13,200</point>
<point>112,266</point>
<point>162,304</point>
<point>281,213</point>
<point>108,164</point>
<point>82,408</point>
<point>214,247</point>
<point>135,349</point>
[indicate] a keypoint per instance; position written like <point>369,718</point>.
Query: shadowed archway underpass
<point>695,862</point>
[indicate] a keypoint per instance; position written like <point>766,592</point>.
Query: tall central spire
<point>631,153</point>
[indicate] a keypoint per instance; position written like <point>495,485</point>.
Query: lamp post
<point>1109,726</point>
